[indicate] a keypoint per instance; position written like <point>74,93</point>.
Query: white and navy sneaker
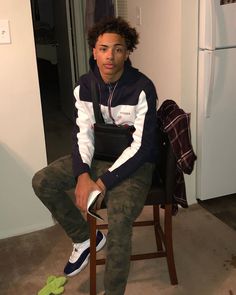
<point>80,255</point>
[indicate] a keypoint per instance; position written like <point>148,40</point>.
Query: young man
<point>126,97</point>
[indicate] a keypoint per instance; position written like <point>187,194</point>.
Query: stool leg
<point>169,244</point>
<point>92,225</point>
<point>156,216</point>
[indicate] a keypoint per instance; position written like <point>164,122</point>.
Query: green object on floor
<point>53,286</point>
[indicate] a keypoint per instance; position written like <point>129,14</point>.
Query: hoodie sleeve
<point>144,139</point>
<point>82,136</point>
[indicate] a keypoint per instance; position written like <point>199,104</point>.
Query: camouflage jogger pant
<point>124,204</point>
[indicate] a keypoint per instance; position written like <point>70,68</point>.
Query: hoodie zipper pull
<point>111,93</point>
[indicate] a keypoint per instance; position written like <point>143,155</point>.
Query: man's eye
<point>103,49</point>
<point>119,49</point>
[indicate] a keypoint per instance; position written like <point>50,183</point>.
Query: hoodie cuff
<point>110,179</point>
<point>80,170</point>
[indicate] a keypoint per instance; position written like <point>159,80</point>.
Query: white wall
<point>22,147</point>
<point>167,53</point>
<point>159,53</point>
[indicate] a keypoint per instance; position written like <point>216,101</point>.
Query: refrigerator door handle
<point>212,23</point>
<point>207,30</point>
<point>210,79</point>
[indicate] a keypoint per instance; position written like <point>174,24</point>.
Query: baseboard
<point>25,230</point>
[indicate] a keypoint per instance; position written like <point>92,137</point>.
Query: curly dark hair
<point>114,25</point>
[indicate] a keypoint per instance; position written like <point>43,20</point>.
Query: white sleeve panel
<point>85,136</point>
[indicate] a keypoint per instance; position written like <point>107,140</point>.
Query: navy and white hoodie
<point>134,103</point>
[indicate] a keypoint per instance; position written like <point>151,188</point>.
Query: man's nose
<point>110,54</point>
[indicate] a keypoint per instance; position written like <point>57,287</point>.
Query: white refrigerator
<point>216,127</point>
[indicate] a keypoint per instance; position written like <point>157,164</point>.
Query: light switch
<point>5,37</point>
<point>138,16</point>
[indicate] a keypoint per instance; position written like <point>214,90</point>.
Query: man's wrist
<point>101,185</point>
<point>83,175</point>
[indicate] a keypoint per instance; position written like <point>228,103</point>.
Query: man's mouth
<point>109,66</point>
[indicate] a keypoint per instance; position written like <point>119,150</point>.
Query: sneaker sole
<point>85,263</point>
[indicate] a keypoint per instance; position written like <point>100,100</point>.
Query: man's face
<point>110,52</point>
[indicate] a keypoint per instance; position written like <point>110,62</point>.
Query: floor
<point>204,239</point>
<point>205,257</point>
<point>223,208</point>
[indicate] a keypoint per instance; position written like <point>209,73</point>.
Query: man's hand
<point>85,185</point>
<point>101,185</point>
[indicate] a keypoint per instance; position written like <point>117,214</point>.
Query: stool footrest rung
<point>137,257</point>
<point>136,223</point>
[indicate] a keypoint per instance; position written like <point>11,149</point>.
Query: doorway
<point>56,27</point>
<point>62,57</point>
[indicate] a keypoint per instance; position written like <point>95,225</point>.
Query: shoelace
<point>75,249</point>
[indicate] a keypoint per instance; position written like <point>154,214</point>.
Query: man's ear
<point>127,54</point>
<point>94,54</point>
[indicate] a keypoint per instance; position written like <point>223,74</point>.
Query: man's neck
<point>111,78</point>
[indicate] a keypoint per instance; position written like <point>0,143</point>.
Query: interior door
<point>64,56</point>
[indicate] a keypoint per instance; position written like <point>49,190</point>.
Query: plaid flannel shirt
<point>176,124</point>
